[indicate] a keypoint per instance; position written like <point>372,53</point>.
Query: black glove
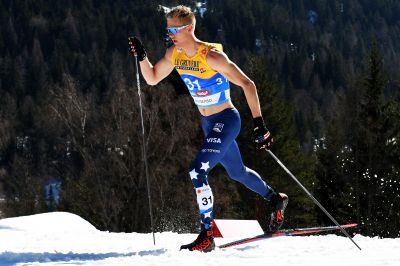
<point>136,47</point>
<point>261,135</point>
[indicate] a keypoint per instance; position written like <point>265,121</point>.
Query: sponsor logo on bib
<point>203,93</point>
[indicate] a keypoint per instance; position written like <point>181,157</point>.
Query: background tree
<point>365,182</point>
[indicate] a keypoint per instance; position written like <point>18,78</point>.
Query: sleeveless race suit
<point>209,88</point>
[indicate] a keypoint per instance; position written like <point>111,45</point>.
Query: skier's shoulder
<point>214,46</point>
<point>169,52</point>
<point>215,54</point>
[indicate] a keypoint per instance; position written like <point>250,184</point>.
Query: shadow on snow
<point>11,258</point>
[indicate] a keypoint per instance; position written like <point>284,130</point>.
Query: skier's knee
<point>198,180</point>
<point>238,174</point>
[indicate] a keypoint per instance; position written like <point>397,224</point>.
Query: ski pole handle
<point>136,48</point>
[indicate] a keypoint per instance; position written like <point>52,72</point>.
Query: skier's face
<point>177,30</point>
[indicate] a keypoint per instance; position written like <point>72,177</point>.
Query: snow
<point>61,238</point>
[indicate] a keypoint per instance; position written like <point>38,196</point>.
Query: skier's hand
<point>261,135</point>
<point>136,48</point>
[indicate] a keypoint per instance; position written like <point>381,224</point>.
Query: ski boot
<point>204,242</point>
<point>278,203</point>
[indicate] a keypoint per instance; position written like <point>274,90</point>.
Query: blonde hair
<point>183,13</point>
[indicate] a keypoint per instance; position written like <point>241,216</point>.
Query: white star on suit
<point>207,215</point>
<point>193,174</point>
<point>205,166</point>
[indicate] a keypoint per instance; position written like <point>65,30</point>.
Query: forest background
<point>327,72</point>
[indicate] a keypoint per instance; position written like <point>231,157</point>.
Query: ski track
<point>67,239</point>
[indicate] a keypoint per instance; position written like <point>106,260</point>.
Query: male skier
<point>207,71</point>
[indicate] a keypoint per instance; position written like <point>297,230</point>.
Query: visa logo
<point>213,140</point>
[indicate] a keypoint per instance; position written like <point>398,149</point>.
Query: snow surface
<point>61,238</point>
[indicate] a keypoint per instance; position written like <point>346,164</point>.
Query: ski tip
<point>349,225</point>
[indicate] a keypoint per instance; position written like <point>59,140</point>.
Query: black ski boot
<point>278,203</point>
<point>204,242</point>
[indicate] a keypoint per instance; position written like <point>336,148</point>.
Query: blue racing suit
<point>219,146</point>
<point>209,88</point>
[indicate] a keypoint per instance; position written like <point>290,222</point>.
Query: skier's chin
<point>177,44</point>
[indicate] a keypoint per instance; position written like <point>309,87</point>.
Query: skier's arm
<point>221,63</point>
<point>152,74</point>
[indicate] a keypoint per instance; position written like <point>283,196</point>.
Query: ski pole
<point>144,149</point>
<point>312,197</point>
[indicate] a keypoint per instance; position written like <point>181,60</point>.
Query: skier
<point>207,71</point>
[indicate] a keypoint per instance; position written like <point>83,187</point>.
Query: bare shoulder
<point>216,58</point>
<point>216,54</point>
<point>168,53</point>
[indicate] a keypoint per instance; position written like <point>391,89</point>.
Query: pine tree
<point>333,170</point>
<point>362,169</point>
<point>370,141</point>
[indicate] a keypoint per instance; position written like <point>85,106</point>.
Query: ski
<point>285,232</point>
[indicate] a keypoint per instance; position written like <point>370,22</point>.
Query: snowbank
<point>61,238</point>
<point>57,222</point>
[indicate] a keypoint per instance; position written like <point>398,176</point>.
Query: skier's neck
<point>191,46</point>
